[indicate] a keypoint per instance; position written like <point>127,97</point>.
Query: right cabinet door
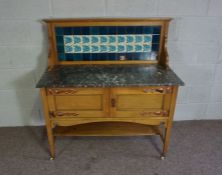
<point>152,101</point>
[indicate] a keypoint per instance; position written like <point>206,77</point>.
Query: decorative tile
<point>107,42</point>
<point>147,38</point>
<point>94,39</point>
<point>147,48</point>
<point>121,48</point>
<point>69,49</point>
<point>104,48</point>
<point>68,40</point>
<point>86,49</point>
<point>104,39</point>
<point>76,39</point>
<point>121,39</point>
<point>112,48</point>
<point>129,38</point>
<point>94,48</point>
<point>112,39</point>
<point>77,49</point>
<point>86,39</point>
<point>138,39</point>
<point>129,48</point>
<point>139,48</point>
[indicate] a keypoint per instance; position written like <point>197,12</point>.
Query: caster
<point>163,157</point>
<point>51,158</point>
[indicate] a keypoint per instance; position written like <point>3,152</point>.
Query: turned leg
<point>51,137</point>
<point>168,124</point>
<point>51,140</point>
<point>166,141</point>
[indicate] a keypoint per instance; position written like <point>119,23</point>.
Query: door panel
<point>135,101</point>
<point>80,102</point>
<point>139,102</point>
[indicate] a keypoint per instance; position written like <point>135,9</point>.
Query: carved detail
<point>113,102</point>
<point>62,114</point>
<point>162,90</point>
<point>155,113</point>
<point>168,90</point>
<point>62,91</point>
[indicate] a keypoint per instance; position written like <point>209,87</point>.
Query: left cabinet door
<point>77,102</point>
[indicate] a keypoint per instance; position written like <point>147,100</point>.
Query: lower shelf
<point>107,129</point>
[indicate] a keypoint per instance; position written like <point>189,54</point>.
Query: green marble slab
<point>108,76</point>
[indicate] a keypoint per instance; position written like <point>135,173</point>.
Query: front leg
<point>166,141</point>
<point>51,140</point>
<point>49,128</point>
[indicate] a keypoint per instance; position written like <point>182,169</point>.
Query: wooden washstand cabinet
<point>108,77</point>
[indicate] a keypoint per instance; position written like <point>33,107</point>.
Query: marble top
<point>108,76</point>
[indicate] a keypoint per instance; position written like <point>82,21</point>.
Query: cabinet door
<point>140,102</point>
<point>77,102</point>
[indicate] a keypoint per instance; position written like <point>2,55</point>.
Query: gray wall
<point>194,46</point>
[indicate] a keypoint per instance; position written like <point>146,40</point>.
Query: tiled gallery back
<point>99,43</point>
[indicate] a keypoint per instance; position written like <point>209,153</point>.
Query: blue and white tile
<point>103,39</point>
<point>69,49</point>
<point>138,47</point>
<point>94,39</point>
<point>146,47</point>
<point>68,40</point>
<point>121,39</point>
<point>139,38</point>
<point>86,48</point>
<point>104,48</point>
<point>130,48</point>
<point>121,48</point>
<point>95,48</point>
<point>147,38</point>
<point>112,39</point>
<point>77,48</point>
<point>77,39</point>
<point>107,43</point>
<point>112,48</point>
<point>130,39</point>
<point>86,39</point>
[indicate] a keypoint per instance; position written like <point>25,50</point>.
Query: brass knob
<point>160,90</point>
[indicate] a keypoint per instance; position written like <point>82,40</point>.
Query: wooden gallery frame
<point>163,22</point>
